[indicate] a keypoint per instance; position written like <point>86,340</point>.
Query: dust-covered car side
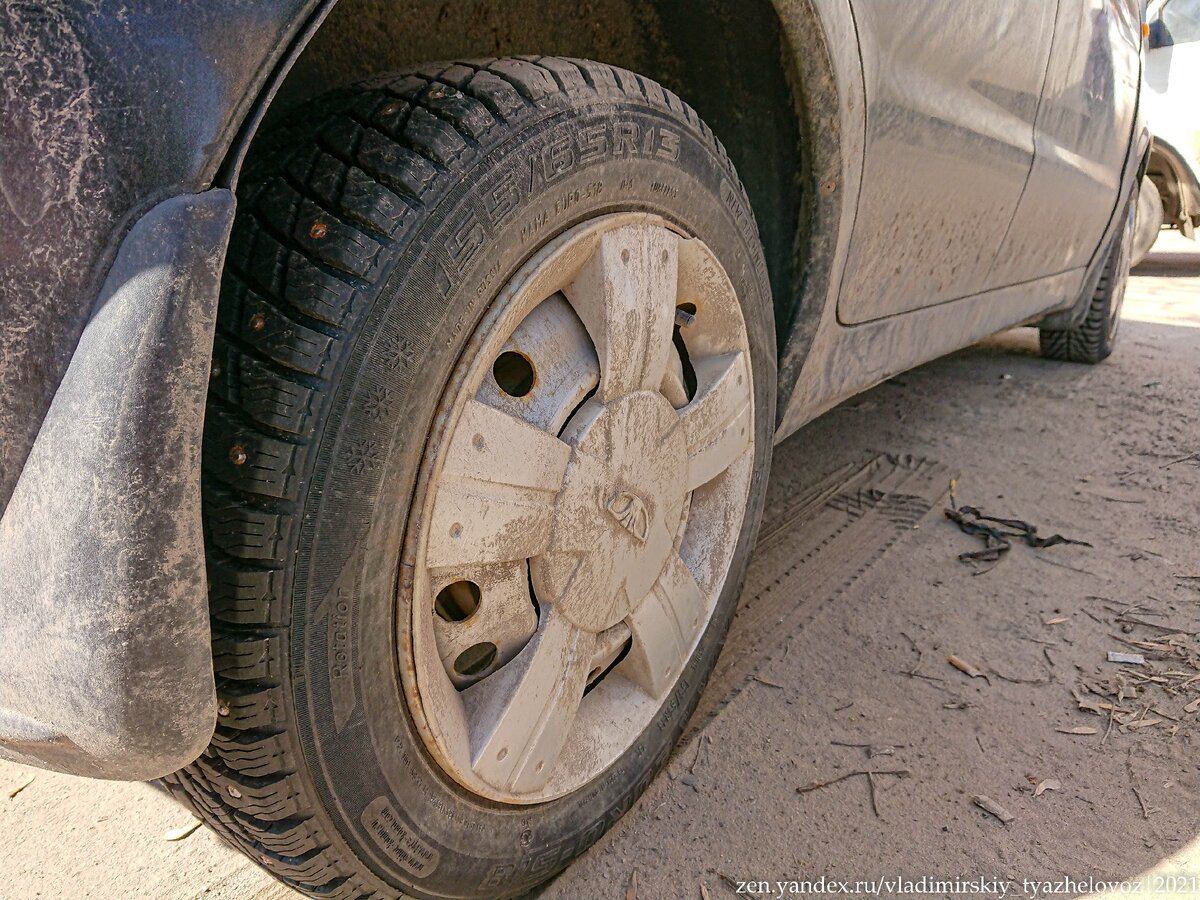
<point>389,391</point>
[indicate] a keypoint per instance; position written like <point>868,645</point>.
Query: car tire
<point>1148,221</point>
<point>1093,339</point>
<point>384,236</point>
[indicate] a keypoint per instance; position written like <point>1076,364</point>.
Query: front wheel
<point>486,449</point>
<point>1148,221</point>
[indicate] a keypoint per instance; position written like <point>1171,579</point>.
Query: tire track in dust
<point>813,547</point>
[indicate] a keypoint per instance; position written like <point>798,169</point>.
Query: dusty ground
<point>1105,455</point>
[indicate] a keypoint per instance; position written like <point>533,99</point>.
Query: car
<point>1171,194</point>
<point>383,440</point>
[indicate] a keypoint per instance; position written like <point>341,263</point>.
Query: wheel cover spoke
<point>718,420</point>
<point>625,296</point>
<point>499,483</point>
<point>664,628</point>
<point>521,715</point>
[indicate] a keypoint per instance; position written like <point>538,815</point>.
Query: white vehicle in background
<point>1169,101</point>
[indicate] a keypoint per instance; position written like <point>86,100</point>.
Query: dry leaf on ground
<point>965,667</point>
<point>21,785</point>
<point>181,831</point>
<point>1050,784</point>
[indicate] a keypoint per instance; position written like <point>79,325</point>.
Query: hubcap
<point>618,512</point>
<point>578,509</point>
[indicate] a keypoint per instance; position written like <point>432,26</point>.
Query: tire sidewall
<point>386,798</point>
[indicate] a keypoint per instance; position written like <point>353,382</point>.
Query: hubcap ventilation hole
<point>457,602</point>
<point>513,373</point>
<point>475,659</point>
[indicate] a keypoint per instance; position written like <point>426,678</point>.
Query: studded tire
<point>374,229</point>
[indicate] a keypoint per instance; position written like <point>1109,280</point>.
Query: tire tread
<point>1091,341</point>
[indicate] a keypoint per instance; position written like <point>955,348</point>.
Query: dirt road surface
<point>838,661</point>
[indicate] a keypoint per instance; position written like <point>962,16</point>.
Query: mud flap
<point>105,664</point>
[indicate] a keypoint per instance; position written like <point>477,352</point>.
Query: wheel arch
<point>759,72</point>
<point>1176,182</point>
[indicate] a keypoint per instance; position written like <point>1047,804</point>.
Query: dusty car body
<point>923,175</point>
<point>89,155</point>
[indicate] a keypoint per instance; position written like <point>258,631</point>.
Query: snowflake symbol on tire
<point>363,456</point>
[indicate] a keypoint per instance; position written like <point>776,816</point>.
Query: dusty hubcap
<point>579,509</point>
<point>618,512</point>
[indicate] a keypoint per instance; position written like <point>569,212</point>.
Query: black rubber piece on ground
<point>374,227</point>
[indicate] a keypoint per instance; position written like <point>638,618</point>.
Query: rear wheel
<point>1093,339</point>
<point>1148,220</point>
<point>487,445</point>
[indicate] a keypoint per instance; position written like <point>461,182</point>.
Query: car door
<point>1084,127</point>
<point>952,89</point>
